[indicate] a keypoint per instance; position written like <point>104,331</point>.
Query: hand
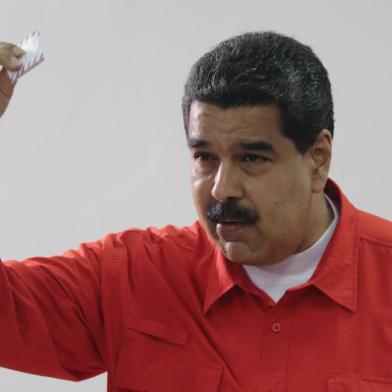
<point>9,59</point>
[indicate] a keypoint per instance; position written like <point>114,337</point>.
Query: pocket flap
<point>158,329</point>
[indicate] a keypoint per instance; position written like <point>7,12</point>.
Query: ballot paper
<point>33,56</point>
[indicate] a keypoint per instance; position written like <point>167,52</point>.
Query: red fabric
<point>163,310</point>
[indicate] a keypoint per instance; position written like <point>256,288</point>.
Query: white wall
<point>93,140</point>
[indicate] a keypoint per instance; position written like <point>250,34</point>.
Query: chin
<point>238,252</point>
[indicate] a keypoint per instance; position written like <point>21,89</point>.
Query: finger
<point>10,62</point>
<point>18,51</point>
<point>14,64</point>
<point>7,57</point>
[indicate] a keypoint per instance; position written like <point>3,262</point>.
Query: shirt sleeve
<point>51,320</point>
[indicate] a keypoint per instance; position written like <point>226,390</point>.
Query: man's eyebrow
<point>197,143</point>
<point>258,146</point>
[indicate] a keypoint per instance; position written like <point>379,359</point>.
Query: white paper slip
<point>34,55</point>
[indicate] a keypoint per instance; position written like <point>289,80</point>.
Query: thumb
<point>18,51</point>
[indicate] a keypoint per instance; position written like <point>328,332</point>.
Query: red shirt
<point>163,310</point>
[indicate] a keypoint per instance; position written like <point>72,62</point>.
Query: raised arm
<point>51,319</point>
<point>9,60</point>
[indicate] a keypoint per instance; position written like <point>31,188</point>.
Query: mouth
<point>231,222</point>
<point>231,230</point>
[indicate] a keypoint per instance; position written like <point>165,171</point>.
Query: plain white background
<point>93,140</point>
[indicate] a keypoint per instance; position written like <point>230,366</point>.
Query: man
<point>282,285</point>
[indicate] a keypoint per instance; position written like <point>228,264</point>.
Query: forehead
<point>207,121</point>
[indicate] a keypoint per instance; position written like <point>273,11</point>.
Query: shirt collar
<point>337,273</point>
<point>335,276</point>
<point>223,277</point>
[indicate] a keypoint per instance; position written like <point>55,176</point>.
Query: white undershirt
<point>297,269</point>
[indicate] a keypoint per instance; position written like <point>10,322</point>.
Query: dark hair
<point>264,68</point>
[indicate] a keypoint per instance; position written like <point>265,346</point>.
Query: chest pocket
<point>155,357</point>
<point>358,384</point>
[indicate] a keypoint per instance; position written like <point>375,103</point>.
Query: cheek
<point>290,208</point>
<point>280,199</point>
<point>201,192</point>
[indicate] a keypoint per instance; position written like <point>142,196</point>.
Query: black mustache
<point>230,211</point>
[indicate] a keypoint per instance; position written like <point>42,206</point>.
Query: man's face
<point>251,187</point>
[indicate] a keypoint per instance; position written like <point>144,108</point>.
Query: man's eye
<point>251,158</point>
<point>203,156</point>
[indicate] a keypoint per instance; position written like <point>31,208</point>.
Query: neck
<point>321,216</point>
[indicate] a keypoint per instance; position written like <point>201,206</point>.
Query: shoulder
<point>192,237</point>
<point>375,228</point>
<point>179,255</point>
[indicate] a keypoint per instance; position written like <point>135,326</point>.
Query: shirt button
<point>276,327</point>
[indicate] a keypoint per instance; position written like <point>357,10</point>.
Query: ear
<point>320,154</point>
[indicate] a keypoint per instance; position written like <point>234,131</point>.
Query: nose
<point>226,184</point>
